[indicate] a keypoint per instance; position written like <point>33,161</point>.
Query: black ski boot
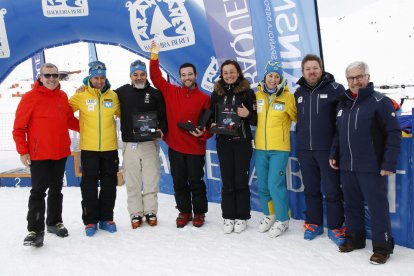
<point>59,229</point>
<point>34,239</point>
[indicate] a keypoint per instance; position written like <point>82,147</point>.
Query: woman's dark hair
<point>236,64</point>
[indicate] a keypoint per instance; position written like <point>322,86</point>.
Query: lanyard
<point>233,101</point>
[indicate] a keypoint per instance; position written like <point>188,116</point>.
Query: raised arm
<point>155,72</point>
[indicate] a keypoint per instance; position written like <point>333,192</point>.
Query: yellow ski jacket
<point>96,118</point>
<point>274,119</point>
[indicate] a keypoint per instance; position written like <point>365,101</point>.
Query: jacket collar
<point>105,88</point>
<point>239,87</point>
<point>38,86</point>
<point>262,87</point>
<point>363,93</point>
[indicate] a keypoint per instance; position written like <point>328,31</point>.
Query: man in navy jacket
<point>316,100</point>
<point>365,149</point>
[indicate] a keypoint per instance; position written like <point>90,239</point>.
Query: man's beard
<point>192,85</point>
<point>139,85</point>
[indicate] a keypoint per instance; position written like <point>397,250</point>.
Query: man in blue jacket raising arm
<point>367,145</point>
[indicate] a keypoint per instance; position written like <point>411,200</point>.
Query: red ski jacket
<point>182,105</point>
<point>43,118</point>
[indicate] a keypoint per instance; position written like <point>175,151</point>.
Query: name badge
<point>260,102</point>
<point>108,103</point>
<point>91,101</point>
<point>323,96</point>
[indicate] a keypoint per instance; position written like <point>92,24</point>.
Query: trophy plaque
<point>227,120</point>
<point>145,126</point>
<point>202,122</point>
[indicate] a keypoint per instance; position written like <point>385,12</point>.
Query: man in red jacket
<point>40,131</point>
<point>187,149</point>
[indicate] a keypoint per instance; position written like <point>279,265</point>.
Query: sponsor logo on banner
<point>65,8</point>
<point>210,75</point>
<point>166,21</point>
<point>4,43</point>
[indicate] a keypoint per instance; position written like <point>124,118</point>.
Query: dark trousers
<point>317,174</point>
<point>370,188</point>
<point>99,166</point>
<point>187,172</point>
<point>234,157</point>
<point>46,174</point>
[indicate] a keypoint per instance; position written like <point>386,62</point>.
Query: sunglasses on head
<point>137,63</point>
<point>96,65</point>
<point>273,63</point>
<point>55,76</point>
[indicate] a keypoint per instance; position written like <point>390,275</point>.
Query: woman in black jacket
<point>234,150</point>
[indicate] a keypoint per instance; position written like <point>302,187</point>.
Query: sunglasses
<point>138,63</point>
<point>55,76</point>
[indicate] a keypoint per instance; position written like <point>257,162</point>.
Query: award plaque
<point>227,120</point>
<point>204,118</point>
<point>145,125</point>
<point>202,122</point>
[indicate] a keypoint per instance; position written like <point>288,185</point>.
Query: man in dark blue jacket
<point>316,100</point>
<point>365,149</point>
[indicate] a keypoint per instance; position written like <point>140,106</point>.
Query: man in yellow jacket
<point>99,149</point>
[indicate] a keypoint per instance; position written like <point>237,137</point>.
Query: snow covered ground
<point>166,250</point>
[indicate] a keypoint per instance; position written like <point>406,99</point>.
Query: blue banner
<point>400,187</point>
<point>37,61</point>
<point>231,28</point>
<point>284,31</point>
<point>92,52</point>
<point>179,25</point>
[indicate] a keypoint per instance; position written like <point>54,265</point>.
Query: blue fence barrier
<point>400,187</point>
